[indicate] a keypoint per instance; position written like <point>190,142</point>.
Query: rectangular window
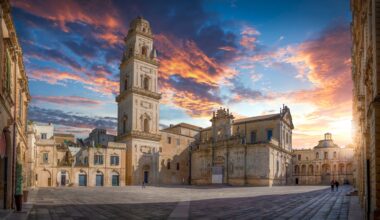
<point>326,156</point>
<point>115,160</point>
<point>45,157</point>
<point>98,159</point>
<point>169,140</point>
<point>43,136</point>
<point>299,156</point>
<point>253,137</point>
<point>178,142</point>
<point>177,166</point>
<point>85,161</point>
<point>269,134</point>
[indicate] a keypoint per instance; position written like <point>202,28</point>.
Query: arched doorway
<point>296,181</point>
<point>44,178</point>
<point>325,174</point>
<point>99,179</point>
<point>63,178</point>
<point>115,178</point>
<point>146,170</point>
<point>82,179</point>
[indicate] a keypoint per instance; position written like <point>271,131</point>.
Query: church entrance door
<point>146,176</point>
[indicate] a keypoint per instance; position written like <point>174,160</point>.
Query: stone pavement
<point>191,202</point>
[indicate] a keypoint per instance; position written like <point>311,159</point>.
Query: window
<point>299,156</point>
<point>168,165</point>
<point>169,140</point>
<point>334,155</point>
<point>178,141</point>
<point>45,157</point>
<point>287,138</point>
<point>177,166</point>
<point>160,149</point>
<point>43,136</point>
<point>85,160</point>
<point>146,125</point>
<point>253,137</point>
<point>144,51</point>
<point>98,159</point>
<point>146,83</point>
<point>269,134</point>
<point>326,156</point>
<point>317,155</point>
<point>277,166</point>
<point>114,160</point>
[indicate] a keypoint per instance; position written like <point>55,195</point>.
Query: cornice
<point>141,135</point>
<point>136,90</point>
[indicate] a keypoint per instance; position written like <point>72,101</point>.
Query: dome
<point>327,142</point>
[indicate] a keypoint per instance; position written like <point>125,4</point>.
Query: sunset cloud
<point>66,100</point>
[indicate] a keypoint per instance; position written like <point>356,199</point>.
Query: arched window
<point>146,125</point>
<point>146,83</point>
<point>168,165</point>
<point>144,51</point>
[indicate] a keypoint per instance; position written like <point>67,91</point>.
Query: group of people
<point>334,183</point>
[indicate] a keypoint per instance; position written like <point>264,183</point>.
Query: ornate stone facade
<point>325,162</point>
<point>138,104</point>
<point>14,99</point>
<point>59,161</point>
<point>366,102</point>
<point>250,151</point>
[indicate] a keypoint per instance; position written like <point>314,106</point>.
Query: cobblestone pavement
<point>132,202</point>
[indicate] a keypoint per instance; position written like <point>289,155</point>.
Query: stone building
<point>138,104</point>
<point>324,163</point>
<point>258,148</point>
<point>99,136</point>
<point>365,30</point>
<point>249,151</point>
<point>59,161</point>
<point>14,99</point>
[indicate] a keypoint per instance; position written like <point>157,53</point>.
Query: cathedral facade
<point>252,151</point>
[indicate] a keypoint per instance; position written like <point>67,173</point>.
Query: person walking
<point>143,184</point>
<point>336,185</point>
<point>332,185</point>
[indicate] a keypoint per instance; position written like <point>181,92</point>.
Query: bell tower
<point>138,102</point>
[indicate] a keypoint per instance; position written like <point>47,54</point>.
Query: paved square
<point>175,202</point>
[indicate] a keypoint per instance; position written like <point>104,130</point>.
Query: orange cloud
<point>100,84</point>
<point>98,13</point>
<point>249,38</point>
<point>64,100</point>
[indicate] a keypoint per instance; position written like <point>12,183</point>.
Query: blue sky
<point>250,56</point>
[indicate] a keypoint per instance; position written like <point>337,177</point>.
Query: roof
<point>63,135</point>
<point>257,118</point>
<point>185,125</point>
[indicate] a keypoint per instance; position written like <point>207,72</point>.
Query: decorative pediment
<point>287,117</point>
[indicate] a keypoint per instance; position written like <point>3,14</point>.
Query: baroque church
<point>249,151</point>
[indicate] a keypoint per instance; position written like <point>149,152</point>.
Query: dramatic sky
<point>250,56</point>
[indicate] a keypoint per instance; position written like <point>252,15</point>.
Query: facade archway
<point>311,170</point>
<point>99,179</point>
<point>44,178</point>
<point>115,178</point>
